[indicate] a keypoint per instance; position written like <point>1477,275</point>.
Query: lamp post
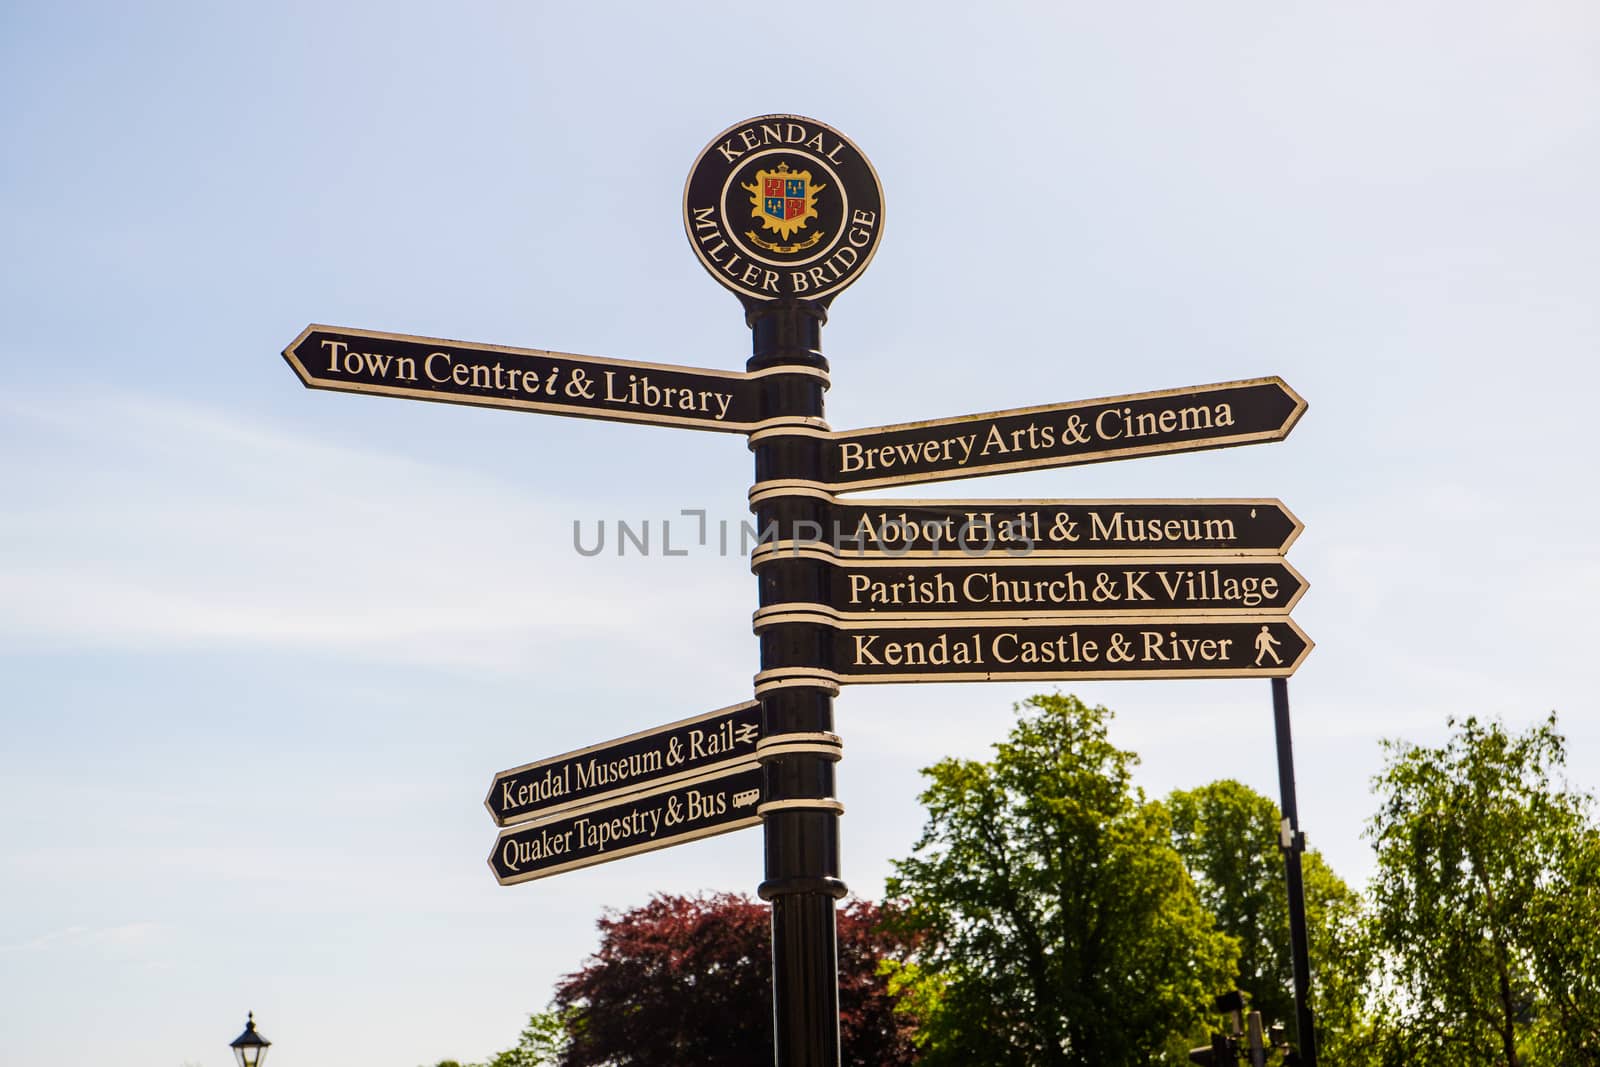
<point>249,1048</point>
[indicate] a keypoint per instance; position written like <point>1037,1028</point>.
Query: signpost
<point>786,212</point>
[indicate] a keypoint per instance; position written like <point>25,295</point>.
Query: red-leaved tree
<point>687,980</point>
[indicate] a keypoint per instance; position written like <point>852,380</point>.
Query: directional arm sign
<point>687,748</point>
<point>1059,435</point>
<point>891,650</point>
<point>937,529</point>
<point>900,528</point>
<point>717,803</point>
<point>999,586</point>
<point>525,379</point>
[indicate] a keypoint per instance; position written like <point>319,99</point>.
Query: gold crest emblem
<point>784,200</point>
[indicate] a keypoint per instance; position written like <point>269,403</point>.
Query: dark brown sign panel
<point>526,379</point>
<point>944,528</point>
<point>687,748</point>
<point>640,822</point>
<point>1029,650</point>
<point>1025,588</point>
<point>1059,435</point>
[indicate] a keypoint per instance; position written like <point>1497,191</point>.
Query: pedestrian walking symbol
<point>1267,645</point>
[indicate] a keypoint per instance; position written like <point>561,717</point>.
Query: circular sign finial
<point>783,207</point>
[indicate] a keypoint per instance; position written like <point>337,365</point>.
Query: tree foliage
<point>1051,916</point>
<point>539,1045</point>
<point>1485,902</point>
<point>1565,920</point>
<point>1341,965</point>
<point>1228,836</point>
<point>687,980</point>
<point>1060,925</point>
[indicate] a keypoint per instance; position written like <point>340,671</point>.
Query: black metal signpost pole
<point>786,212</point>
<point>1293,843</point>
<point>798,747</point>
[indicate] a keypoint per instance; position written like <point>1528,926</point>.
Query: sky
<point>262,648</point>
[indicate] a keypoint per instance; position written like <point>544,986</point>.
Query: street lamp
<point>249,1048</point>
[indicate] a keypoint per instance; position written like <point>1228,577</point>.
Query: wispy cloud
<point>199,528</point>
<point>122,935</point>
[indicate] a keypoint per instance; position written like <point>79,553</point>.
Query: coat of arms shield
<point>783,199</point>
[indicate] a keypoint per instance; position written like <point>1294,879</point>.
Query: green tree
<point>540,1044</point>
<point>1484,907</point>
<point>1228,836</point>
<point>1565,920</point>
<point>1342,974</point>
<point>1059,925</point>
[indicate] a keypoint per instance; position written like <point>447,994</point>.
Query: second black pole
<point>1293,843</point>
